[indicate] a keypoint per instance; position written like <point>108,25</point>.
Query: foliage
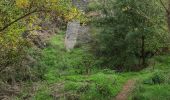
<point>131,28</point>
<point>70,69</point>
<point>13,57</point>
<point>156,92</point>
<point>126,31</point>
<point>19,17</point>
<point>43,94</point>
<point>78,61</point>
<point>154,84</point>
<point>96,86</point>
<point>156,78</point>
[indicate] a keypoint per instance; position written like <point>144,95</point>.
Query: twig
<point>16,20</point>
<point>164,6</point>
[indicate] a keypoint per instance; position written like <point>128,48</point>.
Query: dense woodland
<point>84,49</point>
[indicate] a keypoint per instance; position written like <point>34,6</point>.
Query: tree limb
<point>11,23</point>
<point>164,6</point>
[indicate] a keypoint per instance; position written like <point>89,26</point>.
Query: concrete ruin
<point>74,30</point>
<point>71,34</point>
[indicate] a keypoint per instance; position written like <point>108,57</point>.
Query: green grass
<point>154,84</point>
<point>97,86</point>
<point>43,93</point>
<point>69,69</point>
<point>151,92</point>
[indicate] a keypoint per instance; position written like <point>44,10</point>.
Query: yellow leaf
<point>22,3</point>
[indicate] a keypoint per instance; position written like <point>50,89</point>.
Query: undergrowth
<point>78,73</point>
<point>155,84</point>
<point>68,70</point>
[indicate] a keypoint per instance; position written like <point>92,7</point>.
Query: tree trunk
<point>168,15</point>
<point>143,51</point>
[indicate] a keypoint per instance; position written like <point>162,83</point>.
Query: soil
<point>127,89</point>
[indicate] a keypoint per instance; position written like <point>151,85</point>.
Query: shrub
<point>14,60</point>
<point>156,78</point>
<point>124,33</point>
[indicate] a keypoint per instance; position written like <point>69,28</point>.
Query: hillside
<point>84,50</point>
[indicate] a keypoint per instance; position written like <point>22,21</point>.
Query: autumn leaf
<point>22,3</point>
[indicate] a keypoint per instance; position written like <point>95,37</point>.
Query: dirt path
<point>127,89</point>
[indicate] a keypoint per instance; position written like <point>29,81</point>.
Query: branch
<point>11,23</point>
<point>147,17</point>
<point>164,6</point>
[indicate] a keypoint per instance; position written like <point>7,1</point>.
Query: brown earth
<point>127,89</point>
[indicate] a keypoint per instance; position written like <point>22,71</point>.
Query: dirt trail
<point>127,89</point>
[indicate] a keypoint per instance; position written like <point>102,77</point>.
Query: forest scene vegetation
<point>84,49</point>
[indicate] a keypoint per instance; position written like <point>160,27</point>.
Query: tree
<point>131,29</point>
<point>16,17</point>
<point>25,8</point>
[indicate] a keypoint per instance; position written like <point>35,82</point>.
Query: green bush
<point>119,43</point>
<point>14,62</point>
<point>156,78</point>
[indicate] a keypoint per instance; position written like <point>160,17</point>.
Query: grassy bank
<point>64,76</point>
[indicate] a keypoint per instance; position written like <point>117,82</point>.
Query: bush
<point>156,78</point>
<point>14,60</point>
<point>120,46</point>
